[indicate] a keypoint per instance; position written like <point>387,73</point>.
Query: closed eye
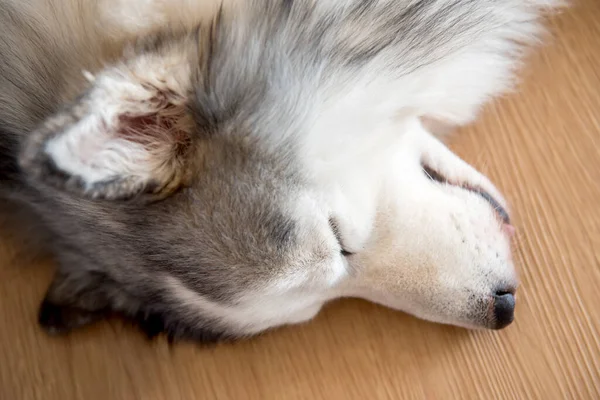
<point>336,231</point>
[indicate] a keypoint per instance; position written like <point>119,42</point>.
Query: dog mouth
<point>500,211</point>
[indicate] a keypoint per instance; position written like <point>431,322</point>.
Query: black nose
<point>504,309</point>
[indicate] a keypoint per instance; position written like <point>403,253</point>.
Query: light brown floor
<point>542,147</point>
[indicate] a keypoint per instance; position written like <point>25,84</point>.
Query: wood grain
<point>542,148</point>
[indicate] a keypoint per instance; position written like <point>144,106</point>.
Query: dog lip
<point>500,211</point>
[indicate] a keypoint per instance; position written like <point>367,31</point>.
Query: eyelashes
<point>336,231</point>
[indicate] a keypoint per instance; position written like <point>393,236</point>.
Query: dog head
<point>210,196</point>
<point>169,207</point>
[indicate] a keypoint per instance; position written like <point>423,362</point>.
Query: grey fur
<point>259,73</point>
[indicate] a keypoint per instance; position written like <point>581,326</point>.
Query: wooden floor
<point>542,148</point>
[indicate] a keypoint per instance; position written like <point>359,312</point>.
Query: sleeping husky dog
<point>211,170</point>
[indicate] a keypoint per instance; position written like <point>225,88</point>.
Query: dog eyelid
<point>336,231</point>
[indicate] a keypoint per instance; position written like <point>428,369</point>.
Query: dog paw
<point>154,324</point>
<point>57,319</point>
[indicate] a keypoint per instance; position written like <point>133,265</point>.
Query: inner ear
<point>130,135</point>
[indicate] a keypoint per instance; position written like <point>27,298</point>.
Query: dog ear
<point>130,134</point>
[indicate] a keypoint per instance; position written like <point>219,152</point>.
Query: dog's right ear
<point>130,134</point>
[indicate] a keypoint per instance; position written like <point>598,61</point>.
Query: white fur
<point>253,314</point>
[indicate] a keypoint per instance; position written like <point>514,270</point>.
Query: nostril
<point>500,293</point>
<point>504,308</point>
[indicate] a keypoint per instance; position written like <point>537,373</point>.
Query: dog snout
<point>504,308</point>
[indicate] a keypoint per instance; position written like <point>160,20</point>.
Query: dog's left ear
<point>130,134</point>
